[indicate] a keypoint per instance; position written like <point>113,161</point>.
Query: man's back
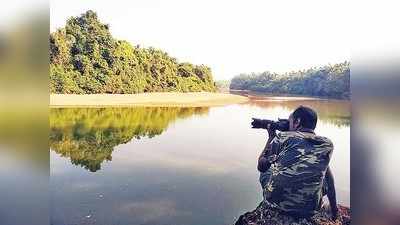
<point>297,172</point>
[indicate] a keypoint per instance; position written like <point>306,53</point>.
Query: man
<point>294,168</point>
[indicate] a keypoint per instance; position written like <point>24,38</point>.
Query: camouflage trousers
<point>264,214</point>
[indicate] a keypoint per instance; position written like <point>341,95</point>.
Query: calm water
<point>172,165</point>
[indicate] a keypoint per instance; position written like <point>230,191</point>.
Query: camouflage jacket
<point>299,161</point>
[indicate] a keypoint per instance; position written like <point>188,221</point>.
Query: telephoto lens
<point>281,124</point>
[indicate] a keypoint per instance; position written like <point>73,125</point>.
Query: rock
<point>264,215</point>
<point>344,212</point>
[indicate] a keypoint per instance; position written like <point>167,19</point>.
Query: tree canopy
<point>332,81</point>
<point>86,59</point>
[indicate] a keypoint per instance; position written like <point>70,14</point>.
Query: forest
<point>86,59</point>
<point>330,81</point>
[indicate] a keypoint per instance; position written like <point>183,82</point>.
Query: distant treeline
<point>86,59</point>
<point>331,81</point>
<point>222,85</point>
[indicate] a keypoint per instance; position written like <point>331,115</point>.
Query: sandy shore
<point>192,99</point>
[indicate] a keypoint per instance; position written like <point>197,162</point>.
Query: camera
<point>281,124</point>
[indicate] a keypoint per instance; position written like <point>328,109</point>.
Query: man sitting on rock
<point>294,172</point>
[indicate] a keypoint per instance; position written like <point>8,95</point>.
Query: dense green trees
<point>86,59</point>
<point>332,81</point>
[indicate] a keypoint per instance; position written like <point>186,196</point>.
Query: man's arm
<point>263,163</point>
<point>331,193</point>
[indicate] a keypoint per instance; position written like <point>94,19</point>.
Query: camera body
<point>281,124</point>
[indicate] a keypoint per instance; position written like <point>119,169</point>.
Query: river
<point>164,165</point>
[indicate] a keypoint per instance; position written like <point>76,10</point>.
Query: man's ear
<point>297,123</point>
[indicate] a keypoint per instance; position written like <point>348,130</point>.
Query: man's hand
<point>265,124</point>
<point>271,132</point>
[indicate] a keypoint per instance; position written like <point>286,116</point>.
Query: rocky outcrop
<point>263,215</point>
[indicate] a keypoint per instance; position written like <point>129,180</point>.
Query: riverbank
<point>254,95</point>
<point>170,99</point>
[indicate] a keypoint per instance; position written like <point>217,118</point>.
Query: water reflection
<point>336,112</point>
<point>88,135</point>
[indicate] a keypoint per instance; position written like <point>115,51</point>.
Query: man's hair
<point>308,117</point>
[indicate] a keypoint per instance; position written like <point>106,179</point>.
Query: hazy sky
<point>229,36</point>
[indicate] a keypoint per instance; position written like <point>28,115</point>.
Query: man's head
<point>302,117</point>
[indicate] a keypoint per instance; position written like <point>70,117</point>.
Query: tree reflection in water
<point>88,135</point>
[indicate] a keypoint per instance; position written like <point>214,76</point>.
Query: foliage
<point>332,81</point>
<point>86,59</point>
<point>222,85</point>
